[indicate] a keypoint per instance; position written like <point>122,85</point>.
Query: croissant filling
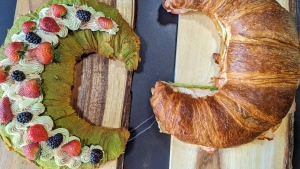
<point>194,92</point>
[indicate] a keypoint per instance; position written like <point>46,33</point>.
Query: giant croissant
<point>258,78</point>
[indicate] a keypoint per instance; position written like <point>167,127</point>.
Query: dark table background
<point>157,30</point>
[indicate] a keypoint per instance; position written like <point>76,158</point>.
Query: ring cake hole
<point>90,86</point>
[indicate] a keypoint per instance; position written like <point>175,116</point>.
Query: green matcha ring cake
<point>37,66</point>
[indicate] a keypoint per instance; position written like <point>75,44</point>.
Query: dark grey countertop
<point>157,30</point>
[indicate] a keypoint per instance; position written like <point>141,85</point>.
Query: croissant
<point>258,78</point>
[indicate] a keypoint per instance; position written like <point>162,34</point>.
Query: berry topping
<point>83,15</point>
<point>58,10</point>
<point>3,74</point>
<point>24,117</point>
<point>105,23</point>
<point>30,89</point>
<point>43,52</point>
<point>96,156</point>
<point>18,75</point>
<point>15,50</point>
<point>72,148</point>
<point>28,26</point>
<point>31,150</point>
<point>48,24</point>
<point>55,140</point>
<point>32,37</point>
<point>37,133</point>
<point>5,111</point>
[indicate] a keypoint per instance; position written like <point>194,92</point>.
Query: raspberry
<point>32,37</point>
<point>96,156</point>
<point>18,75</point>
<point>24,117</point>
<point>83,15</point>
<point>55,140</point>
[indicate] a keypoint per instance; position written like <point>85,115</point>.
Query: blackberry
<point>55,140</point>
<point>32,37</point>
<point>83,15</point>
<point>18,75</point>
<point>24,117</point>
<point>96,156</point>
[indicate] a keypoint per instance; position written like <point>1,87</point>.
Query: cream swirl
<point>63,159</point>
<point>63,32</point>
<point>44,12</point>
<point>12,92</point>
<point>46,37</point>
<point>7,62</point>
<point>37,108</point>
<point>20,103</point>
<point>11,129</point>
<point>18,130</point>
<point>46,152</point>
<point>30,66</point>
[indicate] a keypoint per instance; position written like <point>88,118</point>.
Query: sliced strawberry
<point>28,26</point>
<point>72,148</point>
<point>3,74</point>
<point>58,10</point>
<point>37,133</point>
<point>30,89</point>
<point>48,24</point>
<point>15,50</point>
<point>43,53</point>
<point>31,150</point>
<point>105,23</point>
<point>5,111</point>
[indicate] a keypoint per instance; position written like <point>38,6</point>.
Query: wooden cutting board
<point>204,41</point>
<point>90,75</point>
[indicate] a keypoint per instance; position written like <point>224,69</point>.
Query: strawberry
<point>28,26</point>
<point>72,148</point>
<point>15,50</point>
<point>30,89</point>
<point>31,150</point>
<point>58,10</point>
<point>3,73</point>
<point>43,52</point>
<point>37,133</point>
<point>105,23</point>
<point>5,111</point>
<point>48,24</point>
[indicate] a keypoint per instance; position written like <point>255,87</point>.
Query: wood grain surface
<point>101,92</point>
<point>197,53</point>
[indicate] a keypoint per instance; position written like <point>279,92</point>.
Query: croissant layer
<point>259,67</point>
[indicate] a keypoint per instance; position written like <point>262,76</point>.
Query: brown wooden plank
<point>108,107</point>
<point>203,42</point>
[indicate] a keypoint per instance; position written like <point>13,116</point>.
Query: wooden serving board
<point>197,54</point>
<point>101,92</point>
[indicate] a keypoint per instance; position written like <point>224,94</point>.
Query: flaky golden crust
<point>261,70</point>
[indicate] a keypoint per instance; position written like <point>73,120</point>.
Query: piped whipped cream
<point>73,23</point>
<point>46,37</point>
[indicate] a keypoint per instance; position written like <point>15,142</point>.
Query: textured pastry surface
<point>259,71</point>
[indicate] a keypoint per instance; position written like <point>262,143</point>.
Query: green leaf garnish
<point>57,58</point>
